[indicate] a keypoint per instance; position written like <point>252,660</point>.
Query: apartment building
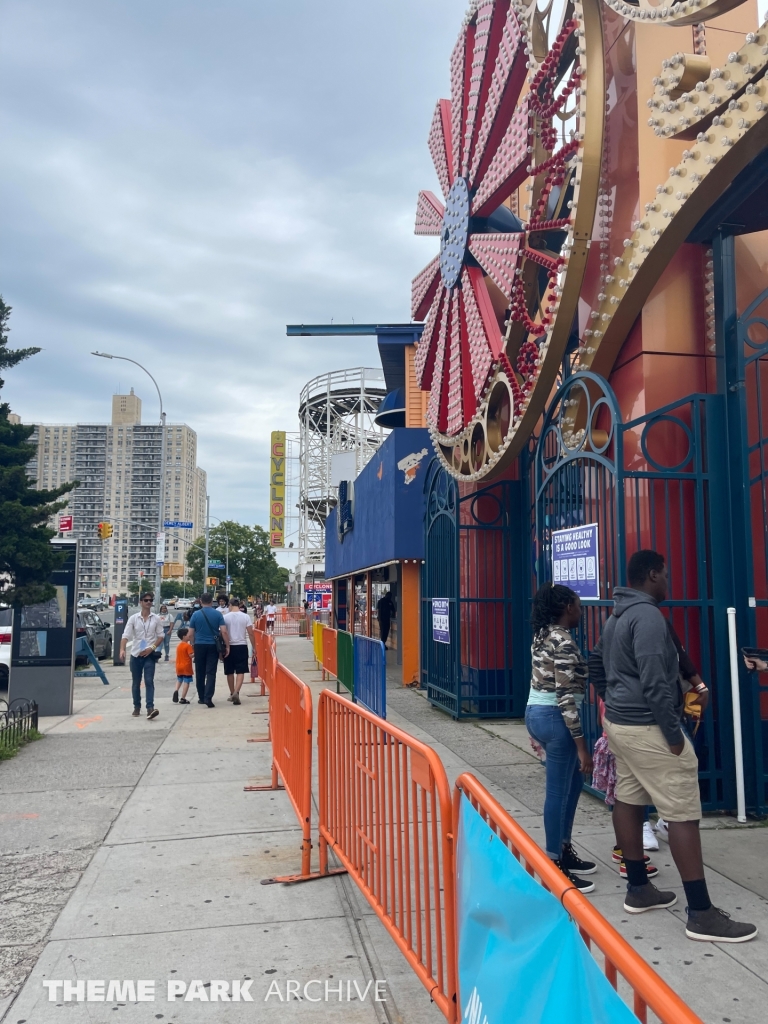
<point>118,466</point>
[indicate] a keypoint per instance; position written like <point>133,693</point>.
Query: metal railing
<point>370,669</point>
<point>649,991</point>
<point>345,663</point>
<point>17,720</point>
<point>385,812</point>
<point>329,662</point>
<point>317,641</point>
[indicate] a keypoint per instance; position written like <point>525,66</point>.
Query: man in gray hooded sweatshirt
<point>634,668</point>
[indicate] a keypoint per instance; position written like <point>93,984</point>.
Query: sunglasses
<point>146,600</point>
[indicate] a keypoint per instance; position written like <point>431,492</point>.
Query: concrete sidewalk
<point>130,851</point>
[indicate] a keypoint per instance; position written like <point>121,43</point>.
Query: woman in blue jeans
<point>553,718</point>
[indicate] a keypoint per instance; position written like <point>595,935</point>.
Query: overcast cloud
<point>181,178</point>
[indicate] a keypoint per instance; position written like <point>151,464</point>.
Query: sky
<point>180,179</point>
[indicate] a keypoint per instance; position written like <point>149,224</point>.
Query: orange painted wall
<point>410,609</point>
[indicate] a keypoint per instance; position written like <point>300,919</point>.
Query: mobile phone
<point>759,653</point>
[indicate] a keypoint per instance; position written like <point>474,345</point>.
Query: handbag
<point>221,647</point>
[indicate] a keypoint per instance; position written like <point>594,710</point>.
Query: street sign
<point>574,560</point>
<point>177,524</point>
<point>65,524</point>
<point>216,565</point>
<point>160,549</point>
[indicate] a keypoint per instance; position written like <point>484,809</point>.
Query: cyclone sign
<point>277,489</point>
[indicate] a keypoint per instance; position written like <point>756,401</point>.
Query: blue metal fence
<point>371,675</point>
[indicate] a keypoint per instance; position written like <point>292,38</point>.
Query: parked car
<point>97,631</point>
<point>183,603</point>
<point>6,628</point>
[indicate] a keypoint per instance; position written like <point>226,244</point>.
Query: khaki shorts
<point>647,772</point>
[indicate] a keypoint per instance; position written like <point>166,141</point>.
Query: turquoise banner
<point>521,958</point>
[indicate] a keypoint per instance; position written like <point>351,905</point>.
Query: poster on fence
<point>441,630</point>
<point>521,958</point>
<point>574,560</point>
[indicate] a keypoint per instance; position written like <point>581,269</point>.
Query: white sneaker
<point>661,829</point>
<point>650,842</point>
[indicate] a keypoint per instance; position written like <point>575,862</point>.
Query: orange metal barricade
<point>385,811</point>
<point>266,657</point>
<point>649,990</point>
<point>290,723</point>
<point>328,664</point>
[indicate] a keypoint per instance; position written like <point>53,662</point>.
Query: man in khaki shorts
<point>634,668</point>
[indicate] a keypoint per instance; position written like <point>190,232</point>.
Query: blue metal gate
<point>742,367</point>
<point>752,336</point>
<point>647,483</point>
<point>440,669</point>
<point>474,558</point>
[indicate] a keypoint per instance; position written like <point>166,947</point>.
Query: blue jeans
<point>564,780</point>
<point>206,663</point>
<point>167,642</point>
<point>147,667</point>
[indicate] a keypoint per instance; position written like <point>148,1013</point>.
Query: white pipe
<point>741,807</point>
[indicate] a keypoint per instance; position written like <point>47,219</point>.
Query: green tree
<point>27,557</point>
<point>147,584</point>
<point>174,588</point>
<point>252,565</point>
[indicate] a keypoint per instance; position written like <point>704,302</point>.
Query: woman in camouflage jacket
<point>553,719</point>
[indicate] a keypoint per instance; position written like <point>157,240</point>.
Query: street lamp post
<point>226,536</point>
<point>207,540</point>
<point>161,510</point>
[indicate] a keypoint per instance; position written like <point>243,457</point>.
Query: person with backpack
<point>553,719</point>
<point>635,669</point>
<point>210,641</point>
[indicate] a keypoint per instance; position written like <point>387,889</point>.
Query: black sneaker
<point>584,885</point>
<point>714,925</point>
<point>640,898</point>
<point>183,700</point>
<point>136,712</point>
<point>201,702</point>
<point>153,713</point>
<point>571,861</point>
<point>209,703</point>
<point>175,697</point>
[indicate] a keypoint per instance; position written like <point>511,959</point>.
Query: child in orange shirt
<point>183,667</point>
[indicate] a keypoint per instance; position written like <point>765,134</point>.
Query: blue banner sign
<point>177,524</point>
<point>215,565</point>
<point>521,958</point>
<point>574,560</point>
<point>441,629</point>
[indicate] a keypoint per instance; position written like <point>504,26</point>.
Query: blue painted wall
<point>389,507</point>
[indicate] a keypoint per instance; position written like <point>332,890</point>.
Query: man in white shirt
<point>146,631</point>
<point>270,612</point>
<point>236,662</point>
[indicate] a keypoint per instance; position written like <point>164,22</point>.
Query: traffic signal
<point>212,581</point>
<point>105,530</point>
